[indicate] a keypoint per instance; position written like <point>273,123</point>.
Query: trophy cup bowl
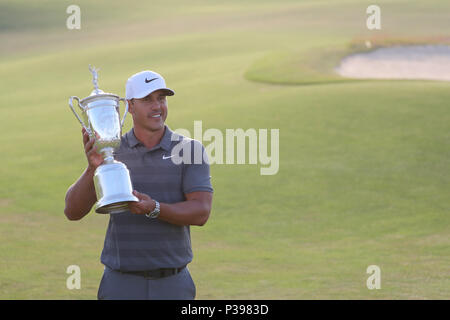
<point>111,179</point>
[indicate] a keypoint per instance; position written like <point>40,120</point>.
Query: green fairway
<point>364,173</point>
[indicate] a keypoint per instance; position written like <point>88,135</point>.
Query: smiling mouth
<point>158,115</point>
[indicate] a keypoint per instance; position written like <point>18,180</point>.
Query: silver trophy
<point>111,179</point>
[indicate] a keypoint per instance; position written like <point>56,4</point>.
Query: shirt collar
<point>165,142</point>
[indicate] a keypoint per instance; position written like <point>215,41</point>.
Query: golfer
<point>147,249</point>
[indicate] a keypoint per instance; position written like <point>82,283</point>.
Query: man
<point>147,248</point>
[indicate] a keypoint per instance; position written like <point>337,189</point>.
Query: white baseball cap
<point>145,82</point>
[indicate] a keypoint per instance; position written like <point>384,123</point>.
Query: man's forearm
<point>81,196</point>
<point>190,212</point>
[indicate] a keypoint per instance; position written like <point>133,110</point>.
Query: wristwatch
<point>155,213</point>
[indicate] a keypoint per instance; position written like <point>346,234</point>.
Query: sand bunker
<point>431,62</point>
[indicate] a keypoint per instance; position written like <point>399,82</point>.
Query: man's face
<point>150,112</point>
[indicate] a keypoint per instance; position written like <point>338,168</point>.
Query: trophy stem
<point>108,155</point>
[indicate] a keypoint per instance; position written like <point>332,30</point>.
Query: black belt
<point>156,273</point>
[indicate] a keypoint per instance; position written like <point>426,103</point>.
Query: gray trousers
<point>119,286</point>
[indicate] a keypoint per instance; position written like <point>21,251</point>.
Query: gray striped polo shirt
<point>134,242</point>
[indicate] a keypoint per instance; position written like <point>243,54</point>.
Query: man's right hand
<point>93,157</point>
<point>81,196</point>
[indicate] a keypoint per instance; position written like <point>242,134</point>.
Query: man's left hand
<point>145,205</point>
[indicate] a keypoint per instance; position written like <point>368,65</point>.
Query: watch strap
<point>155,213</point>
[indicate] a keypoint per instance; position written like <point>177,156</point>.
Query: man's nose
<point>153,104</point>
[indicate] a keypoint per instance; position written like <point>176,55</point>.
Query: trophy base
<point>113,188</point>
<point>111,208</point>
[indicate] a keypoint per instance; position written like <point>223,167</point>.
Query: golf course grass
<point>363,173</point>
<point>317,65</point>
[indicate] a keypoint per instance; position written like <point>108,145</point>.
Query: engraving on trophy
<point>112,178</point>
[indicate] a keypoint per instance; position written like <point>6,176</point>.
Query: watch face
<point>155,215</point>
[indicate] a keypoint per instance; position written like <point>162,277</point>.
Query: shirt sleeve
<point>196,172</point>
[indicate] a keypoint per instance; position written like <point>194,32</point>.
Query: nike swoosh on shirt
<point>147,81</point>
<point>164,157</point>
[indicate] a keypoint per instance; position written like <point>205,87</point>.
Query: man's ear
<point>130,106</point>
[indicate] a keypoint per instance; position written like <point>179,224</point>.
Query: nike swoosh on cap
<point>147,81</point>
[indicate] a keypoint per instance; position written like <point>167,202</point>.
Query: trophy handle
<point>76,114</point>
<point>125,102</point>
